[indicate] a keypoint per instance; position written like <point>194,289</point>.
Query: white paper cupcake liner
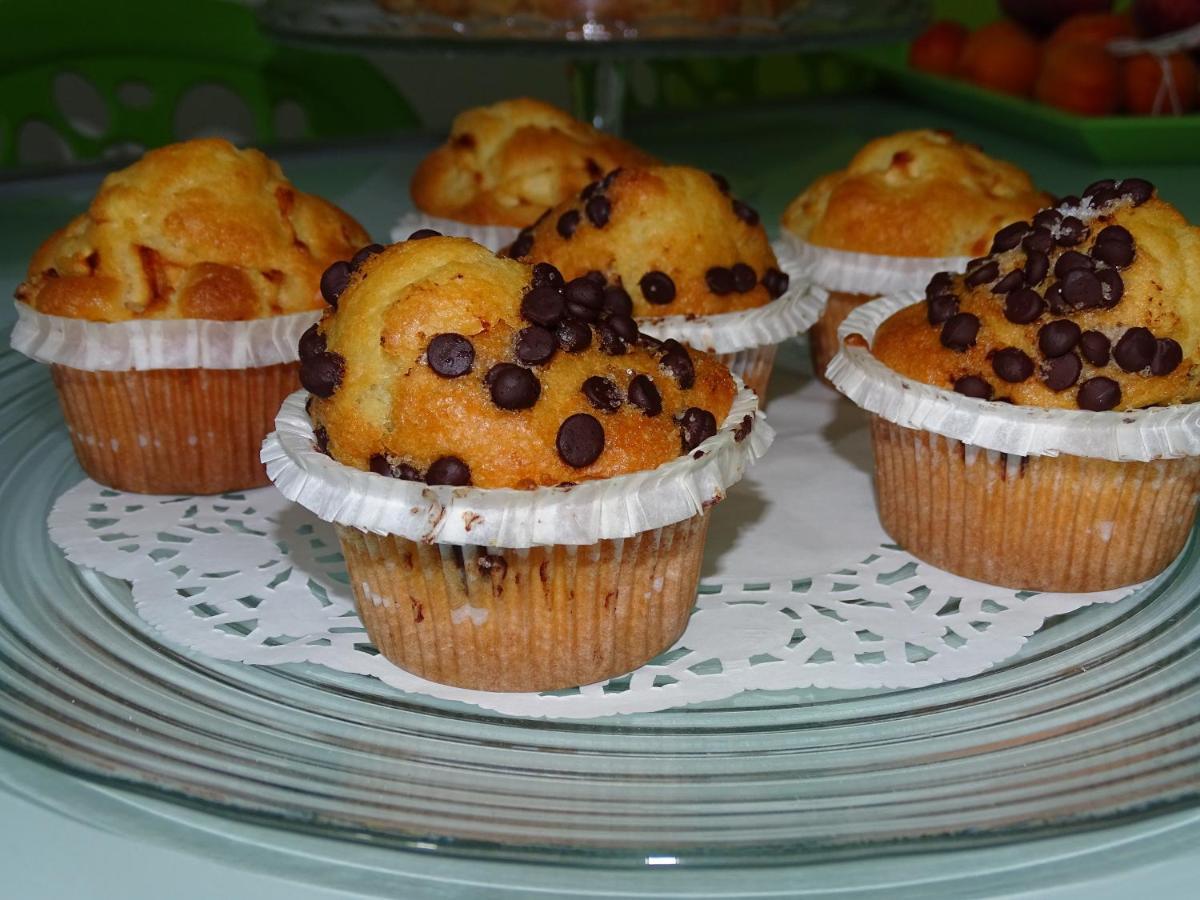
<point>870,274</point>
<point>494,237</point>
<point>145,344</point>
<point>1168,432</point>
<point>604,509</point>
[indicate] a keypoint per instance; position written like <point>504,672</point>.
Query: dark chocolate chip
<point>1167,357</point>
<point>543,306</point>
<point>657,287</point>
<point>1037,265</point>
<point>940,283</point>
<point>719,280</point>
<point>583,313</point>
<point>1104,197</point>
<point>602,393</point>
<point>1010,282</point>
<point>1023,306</point>
<point>321,439</point>
<point>450,355</point>
<point>1040,240</point>
<point>513,387</point>
<point>1012,364</point>
<point>1104,184</point>
<point>1069,200</point>
<point>521,246</point>
<point>546,275</point>
<point>535,345</point>
<point>744,428</point>
<point>744,278</point>
<point>617,301</point>
<point>941,307</point>
<point>1058,337</point>
<point>1135,350</point>
<point>776,282</point>
<point>608,180</point>
<point>1048,219</point>
<point>568,222</point>
<point>958,332</point>
<point>745,212</point>
<point>1054,300</point>
<point>1081,289</point>
<point>589,189</point>
<point>1095,347</point>
<point>580,440</point>
<point>722,182</point>
<point>1009,236</point>
<point>982,274</point>
<point>1071,259</point>
<point>1139,190</point>
<point>625,327</point>
<point>696,425</point>
<point>448,470</point>
<point>422,233</point>
<point>675,360</point>
<point>1114,245</point>
<point>1061,372</point>
<point>596,277</point>
<point>573,336</point>
<point>974,386</point>
<point>610,339</point>
<point>364,254</point>
<point>322,374</point>
<point>334,281</point>
<point>598,209</point>
<point>312,342</point>
<point>584,292</point>
<point>381,465</point>
<point>651,343</point>
<point>1112,287</point>
<point>1098,394</point>
<point>644,395</point>
<point>1071,231</point>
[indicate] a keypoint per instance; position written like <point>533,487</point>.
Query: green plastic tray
<point>1106,139</point>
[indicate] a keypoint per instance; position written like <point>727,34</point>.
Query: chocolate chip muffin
<point>914,194</point>
<point>493,385</point>
<point>505,164</point>
<point>1088,308</point>
<point>202,233</point>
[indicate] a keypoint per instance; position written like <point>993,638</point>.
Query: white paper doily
<point>792,596</point>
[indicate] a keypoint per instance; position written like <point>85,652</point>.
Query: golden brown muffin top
<point>448,364</point>
<point>196,230</point>
<point>915,193</point>
<point>505,164</point>
<point>670,237</point>
<point>1094,304</point>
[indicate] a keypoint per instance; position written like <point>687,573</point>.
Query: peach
<point>1092,28</point>
<point>1001,56</point>
<point>1079,78</point>
<point>938,48</point>
<point>1144,93</point>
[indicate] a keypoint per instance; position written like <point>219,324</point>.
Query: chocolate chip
<point>1040,240</point>
<point>580,440</point>
<point>974,386</point>
<point>678,363</point>
<point>535,345</point>
<point>1081,289</point>
<point>1098,394</point>
<point>513,387</point>
<point>722,182</point>
<point>1067,200</point>
<point>940,283</point>
<point>321,439</point>
<point>1062,372</point>
<point>584,292</point>
<point>958,332</point>
<point>1010,282</point>
<point>1103,197</point>
<point>744,428</point>
<point>611,341</point>
<point>1054,300</point>
<point>364,254</point>
<point>625,327</point>
<point>1104,184</point>
<point>1023,306</point>
<point>521,246</point>
<point>696,425</point>
<point>568,222</point>
<point>1048,219</point>
<point>573,336</point>
<point>546,275</point>
<point>719,280</point>
<point>422,233</point>
<point>1139,190</point>
<point>608,180</point>
<point>745,212</point>
<point>1135,350</point>
<point>543,306</point>
<point>334,281</point>
<point>1114,245</point>
<point>1071,231</point>
<point>1071,259</point>
<point>617,301</point>
<point>940,308</point>
<point>322,373</point>
<point>589,189</point>
<point>598,209</point>
<point>312,342</point>
<point>1095,348</point>
<point>596,277</point>
<point>1167,357</point>
<point>583,313</point>
<point>602,393</point>
<point>644,395</point>
<point>1112,287</point>
<point>776,282</point>
<point>744,278</point>
<point>448,470</point>
<point>1037,265</point>
<point>1058,337</point>
<point>982,274</point>
<point>381,465</point>
<point>657,287</point>
<point>450,355</point>
<point>651,343</point>
<point>1009,236</point>
<point>1012,364</point>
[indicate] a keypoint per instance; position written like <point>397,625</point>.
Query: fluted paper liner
<point>823,340</point>
<point>591,511</point>
<point>144,344</point>
<point>494,237</point>
<point>872,274</point>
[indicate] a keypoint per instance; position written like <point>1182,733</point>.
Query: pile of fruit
<point>1062,53</point>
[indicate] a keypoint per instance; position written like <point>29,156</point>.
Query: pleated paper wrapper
<point>870,274</point>
<point>494,237</point>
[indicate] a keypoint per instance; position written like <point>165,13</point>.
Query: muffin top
<point>197,230</point>
<point>915,193</point>
<point>1093,304</point>
<point>447,364</point>
<point>507,163</point>
<point>671,238</point>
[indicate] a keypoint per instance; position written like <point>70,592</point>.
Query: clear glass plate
<point>1095,725</point>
